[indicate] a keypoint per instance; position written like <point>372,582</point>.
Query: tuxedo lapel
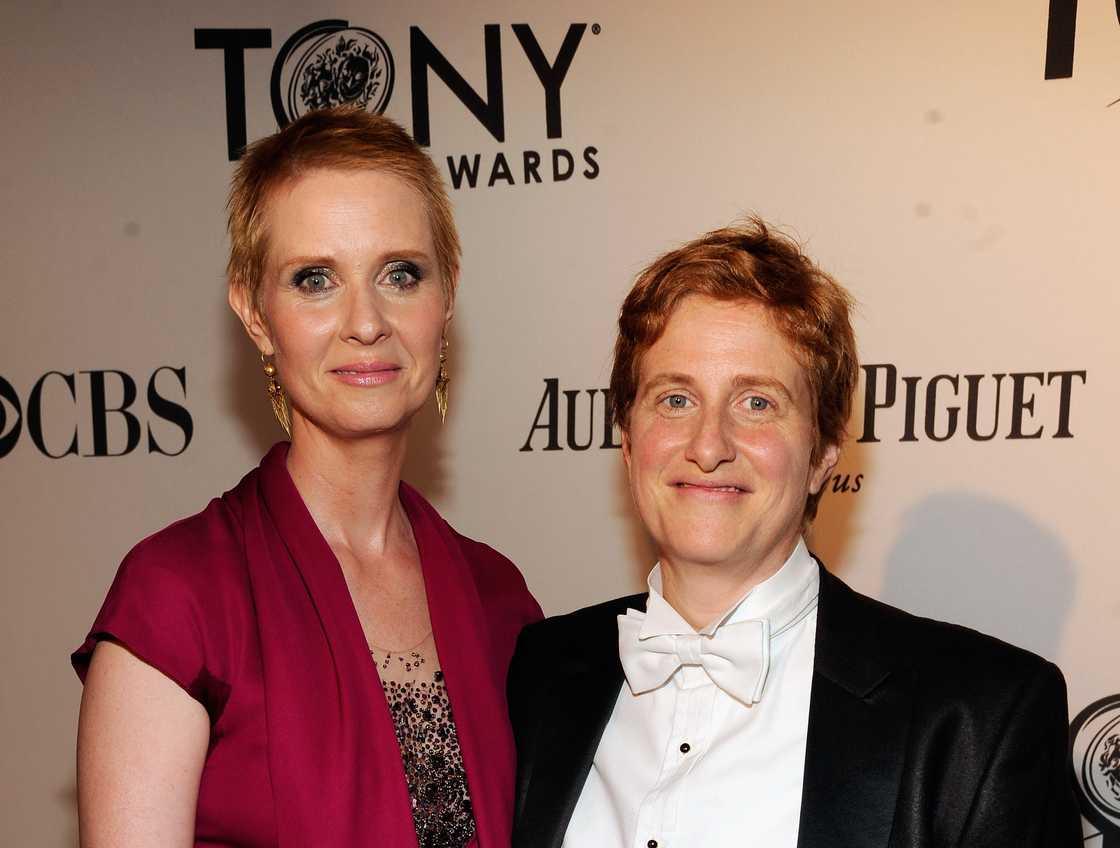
<point>859,718</point>
<point>577,706</point>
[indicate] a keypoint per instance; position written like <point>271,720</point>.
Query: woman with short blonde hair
<point>316,658</point>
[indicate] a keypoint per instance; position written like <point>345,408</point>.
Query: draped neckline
<point>336,770</point>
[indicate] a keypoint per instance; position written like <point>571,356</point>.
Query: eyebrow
<point>741,381</point>
<point>746,381</point>
<point>326,260</point>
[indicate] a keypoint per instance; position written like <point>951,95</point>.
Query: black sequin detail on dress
<point>433,762</point>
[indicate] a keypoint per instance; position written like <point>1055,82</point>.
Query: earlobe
<point>626,450</point>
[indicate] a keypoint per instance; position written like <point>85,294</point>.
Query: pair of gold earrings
<point>280,402</point>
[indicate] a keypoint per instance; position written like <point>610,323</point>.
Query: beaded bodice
<point>433,762</point>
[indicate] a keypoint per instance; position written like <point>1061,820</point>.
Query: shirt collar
<point>779,598</point>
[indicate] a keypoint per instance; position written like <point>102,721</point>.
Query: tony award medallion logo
<point>1095,752</point>
<point>330,63</point>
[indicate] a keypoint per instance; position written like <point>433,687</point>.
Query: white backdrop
<point>968,203</point>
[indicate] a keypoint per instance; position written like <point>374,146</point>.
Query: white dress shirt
<point>687,765</point>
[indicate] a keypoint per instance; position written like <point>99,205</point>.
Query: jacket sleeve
<point>1025,798</point>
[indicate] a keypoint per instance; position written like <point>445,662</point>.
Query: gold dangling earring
<point>441,383</point>
<point>276,395</point>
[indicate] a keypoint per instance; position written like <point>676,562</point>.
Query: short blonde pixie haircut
<point>339,138</point>
<point>756,264</point>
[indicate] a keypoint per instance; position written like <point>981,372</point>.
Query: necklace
<point>409,658</point>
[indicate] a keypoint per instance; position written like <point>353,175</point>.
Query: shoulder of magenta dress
<point>245,607</point>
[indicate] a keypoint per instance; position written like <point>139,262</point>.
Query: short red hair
<point>343,138</point>
<point>748,263</point>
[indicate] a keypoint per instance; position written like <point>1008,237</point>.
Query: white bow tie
<point>736,657</point>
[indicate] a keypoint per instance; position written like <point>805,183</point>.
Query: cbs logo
<point>95,413</point>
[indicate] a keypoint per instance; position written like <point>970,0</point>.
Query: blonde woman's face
<point>352,305</point>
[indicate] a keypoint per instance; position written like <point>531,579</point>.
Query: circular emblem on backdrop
<point>330,63</point>
<point>9,435</point>
<point>1095,752</point>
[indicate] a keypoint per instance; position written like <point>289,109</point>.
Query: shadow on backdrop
<point>983,563</point>
<point>67,796</point>
<point>247,403</point>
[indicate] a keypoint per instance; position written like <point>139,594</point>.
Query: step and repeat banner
<point>954,164</point>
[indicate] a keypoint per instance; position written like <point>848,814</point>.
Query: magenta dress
<point>245,606</point>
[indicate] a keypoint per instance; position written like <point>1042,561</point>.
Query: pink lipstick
<point>367,373</point>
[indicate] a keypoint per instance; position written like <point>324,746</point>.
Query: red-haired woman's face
<point>720,438</point>
<point>352,305</point>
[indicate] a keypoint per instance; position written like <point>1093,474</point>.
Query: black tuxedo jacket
<point>921,734</point>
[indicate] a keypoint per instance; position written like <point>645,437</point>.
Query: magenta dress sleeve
<point>180,602</point>
<point>161,607</point>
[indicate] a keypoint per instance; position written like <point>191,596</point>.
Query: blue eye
<point>403,275</point>
<point>312,280</point>
<point>676,402</point>
<point>757,404</point>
